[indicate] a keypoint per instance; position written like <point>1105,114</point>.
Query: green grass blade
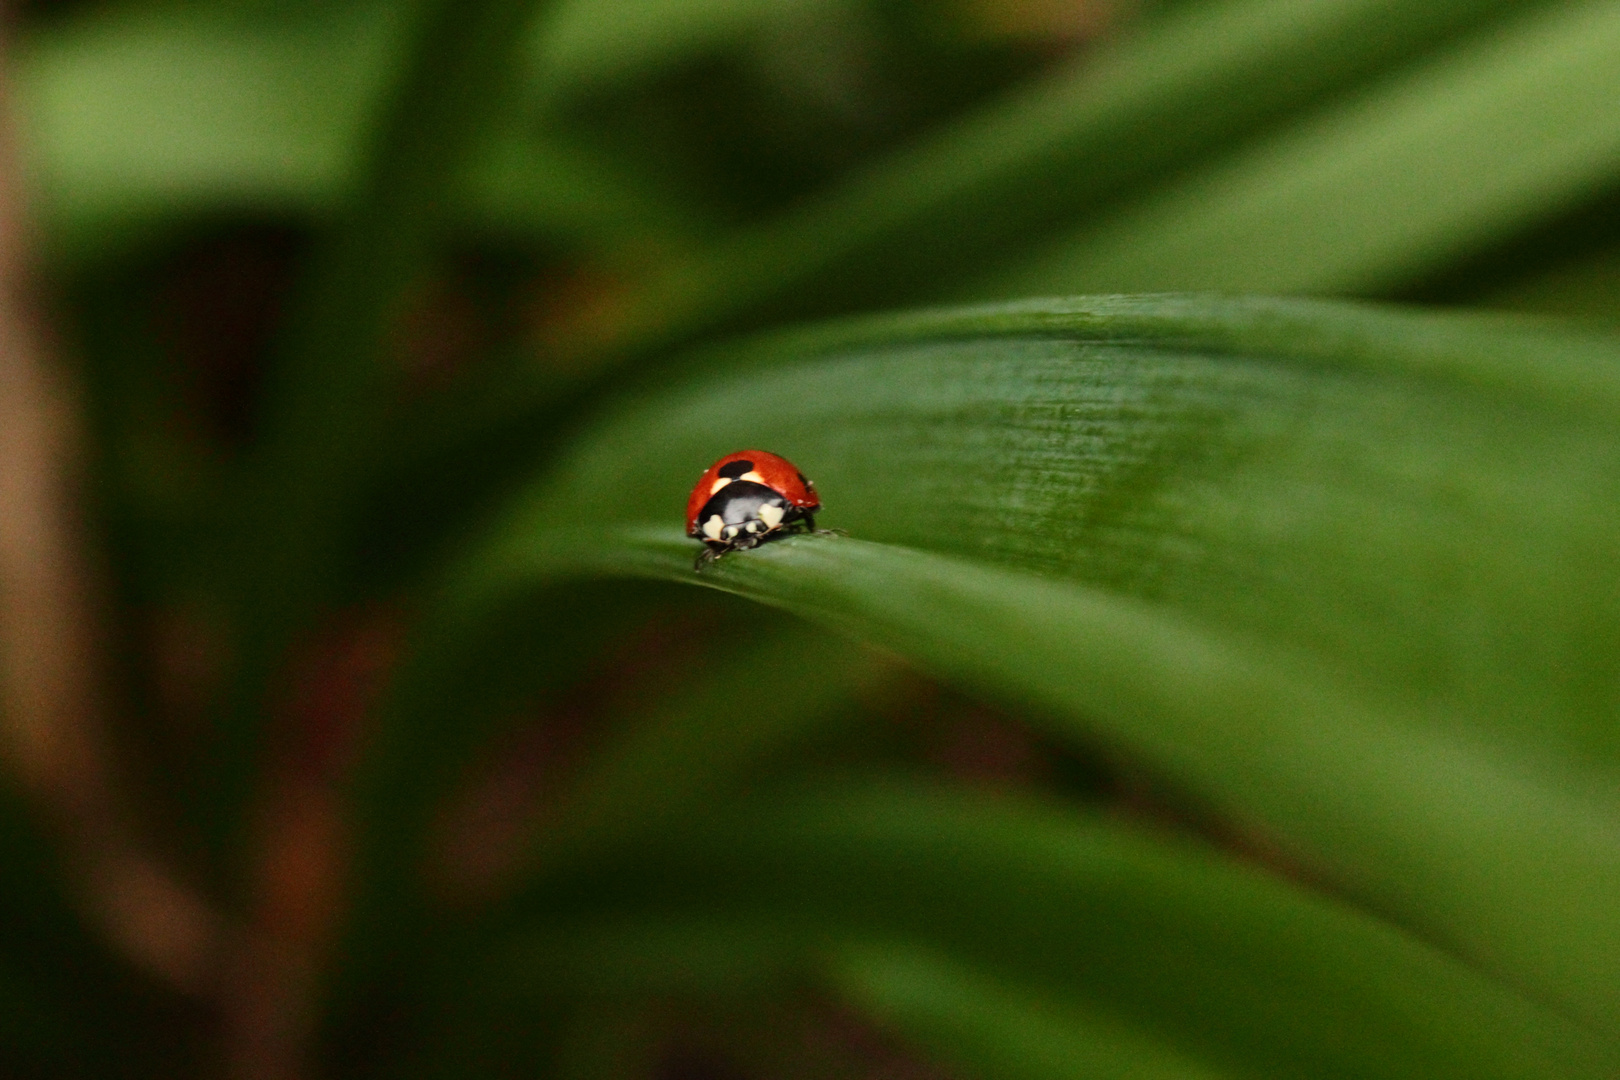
<point>139,118</point>
<point>733,708</point>
<point>1162,949</point>
<point>986,1028</point>
<point>327,400</point>
<point>584,44</point>
<point>1349,572</point>
<point>1438,163</point>
<point>1450,835</point>
<point>1586,288</point>
<point>1052,153</point>
<point>459,686</point>
<point>754,703</point>
<point>140,114</point>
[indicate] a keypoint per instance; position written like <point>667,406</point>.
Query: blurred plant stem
<point>327,398</point>
<point>53,696</point>
<point>331,386</point>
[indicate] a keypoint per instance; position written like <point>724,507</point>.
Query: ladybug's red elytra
<point>746,498</point>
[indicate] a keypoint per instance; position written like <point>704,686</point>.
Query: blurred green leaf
<point>326,397</point>
<point>993,184</point>
<point>139,117</point>
<point>1160,950</point>
<point>540,188</point>
<point>758,700</point>
<point>1349,572</point>
<point>141,112</point>
<point>459,689</point>
<point>727,711</point>
<point>928,220</point>
<point>1498,133</point>
<point>987,1028</point>
<point>1587,287</point>
<point>158,112</point>
<point>584,43</point>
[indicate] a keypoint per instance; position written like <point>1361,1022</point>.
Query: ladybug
<point>747,498</point>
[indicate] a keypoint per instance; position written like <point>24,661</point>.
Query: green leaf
<point>461,686</point>
<point>1350,573</point>
<point>1437,163</point>
<point>582,44</point>
<point>734,708</point>
<point>997,184</point>
<point>795,683</point>
<point>146,112</point>
<point>326,397</point>
<point>987,1028</point>
<point>1059,150</point>
<point>1587,287</point>
<point>1161,951</point>
<point>141,117</point>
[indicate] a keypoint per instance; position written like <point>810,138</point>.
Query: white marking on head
<point>712,527</point>
<point>754,476</point>
<point>754,526</point>
<point>731,531</point>
<point>771,515</point>
<point>718,484</point>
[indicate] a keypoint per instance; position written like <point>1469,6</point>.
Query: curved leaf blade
<point>1445,833</point>
<point>991,1029</point>
<point>1350,572</point>
<point>729,711</point>
<point>995,184</point>
<point>1436,164</point>
<point>1162,948</point>
<point>138,118</point>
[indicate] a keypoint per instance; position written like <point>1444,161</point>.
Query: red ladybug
<point>747,498</point>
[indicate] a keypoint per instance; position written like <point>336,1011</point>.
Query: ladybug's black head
<point>743,513</point>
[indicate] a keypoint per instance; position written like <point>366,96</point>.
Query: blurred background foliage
<point>1206,687</point>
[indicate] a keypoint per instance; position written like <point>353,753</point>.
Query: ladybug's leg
<point>809,523</point>
<point>705,557</point>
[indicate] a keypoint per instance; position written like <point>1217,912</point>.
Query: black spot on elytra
<point>733,469</point>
